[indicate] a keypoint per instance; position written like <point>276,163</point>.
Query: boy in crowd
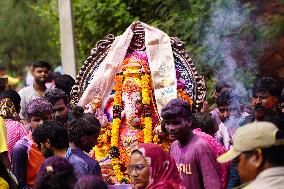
<point>60,105</point>
<point>221,87</point>
<point>51,138</point>
<point>26,158</point>
<point>193,155</point>
<point>83,135</point>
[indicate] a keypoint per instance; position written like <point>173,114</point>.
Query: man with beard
<point>266,92</point>
<point>60,105</point>
<point>51,138</point>
<point>37,89</point>
<point>194,157</point>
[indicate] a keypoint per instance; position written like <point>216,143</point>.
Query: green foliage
<point>24,35</point>
<point>95,19</point>
<point>34,31</point>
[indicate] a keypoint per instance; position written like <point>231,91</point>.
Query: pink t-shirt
<point>15,131</point>
<point>197,164</point>
<point>218,150</point>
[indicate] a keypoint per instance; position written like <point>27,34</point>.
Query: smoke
<point>229,47</point>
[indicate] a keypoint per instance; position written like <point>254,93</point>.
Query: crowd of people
<point>46,144</point>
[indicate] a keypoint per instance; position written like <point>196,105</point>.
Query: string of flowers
<point>103,146</point>
<point>146,100</point>
<point>114,150</point>
<point>183,95</point>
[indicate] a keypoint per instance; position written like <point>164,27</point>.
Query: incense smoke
<point>229,49</point>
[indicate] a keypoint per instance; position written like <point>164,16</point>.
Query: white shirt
<point>272,178</point>
<point>27,94</point>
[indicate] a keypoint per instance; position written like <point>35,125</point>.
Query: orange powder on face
<point>270,102</point>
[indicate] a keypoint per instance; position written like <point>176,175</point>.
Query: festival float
<point>126,80</point>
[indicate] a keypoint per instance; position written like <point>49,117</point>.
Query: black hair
<point>54,95</point>
<point>54,131</point>
<point>55,173</point>
<point>274,155</point>
<point>205,122</point>
<point>41,64</point>
<point>65,82</point>
<point>269,84</point>
<point>13,96</point>
<point>223,99</point>
<point>90,182</point>
<point>176,108</point>
<point>82,124</point>
<point>220,85</point>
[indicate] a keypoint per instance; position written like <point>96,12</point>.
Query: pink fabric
<point>164,173</point>
<point>15,131</point>
<point>217,149</point>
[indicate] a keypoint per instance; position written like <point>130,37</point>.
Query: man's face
<point>37,120</point>
<point>88,142</point>
<point>60,111</point>
<point>263,101</point>
<point>177,127</point>
<point>246,167</point>
<point>40,74</point>
<point>228,111</point>
<point>45,149</point>
<point>223,112</point>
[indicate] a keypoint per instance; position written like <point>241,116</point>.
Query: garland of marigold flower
<point>146,100</point>
<point>183,95</point>
<point>114,150</point>
<point>146,119</point>
<point>103,146</point>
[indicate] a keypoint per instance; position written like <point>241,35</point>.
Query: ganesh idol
<point>125,82</point>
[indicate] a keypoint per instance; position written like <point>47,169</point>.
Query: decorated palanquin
<point>129,78</point>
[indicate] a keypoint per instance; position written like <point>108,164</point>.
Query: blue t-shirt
<point>83,164</point>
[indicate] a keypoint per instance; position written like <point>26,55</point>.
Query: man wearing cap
<point>259,150</point>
